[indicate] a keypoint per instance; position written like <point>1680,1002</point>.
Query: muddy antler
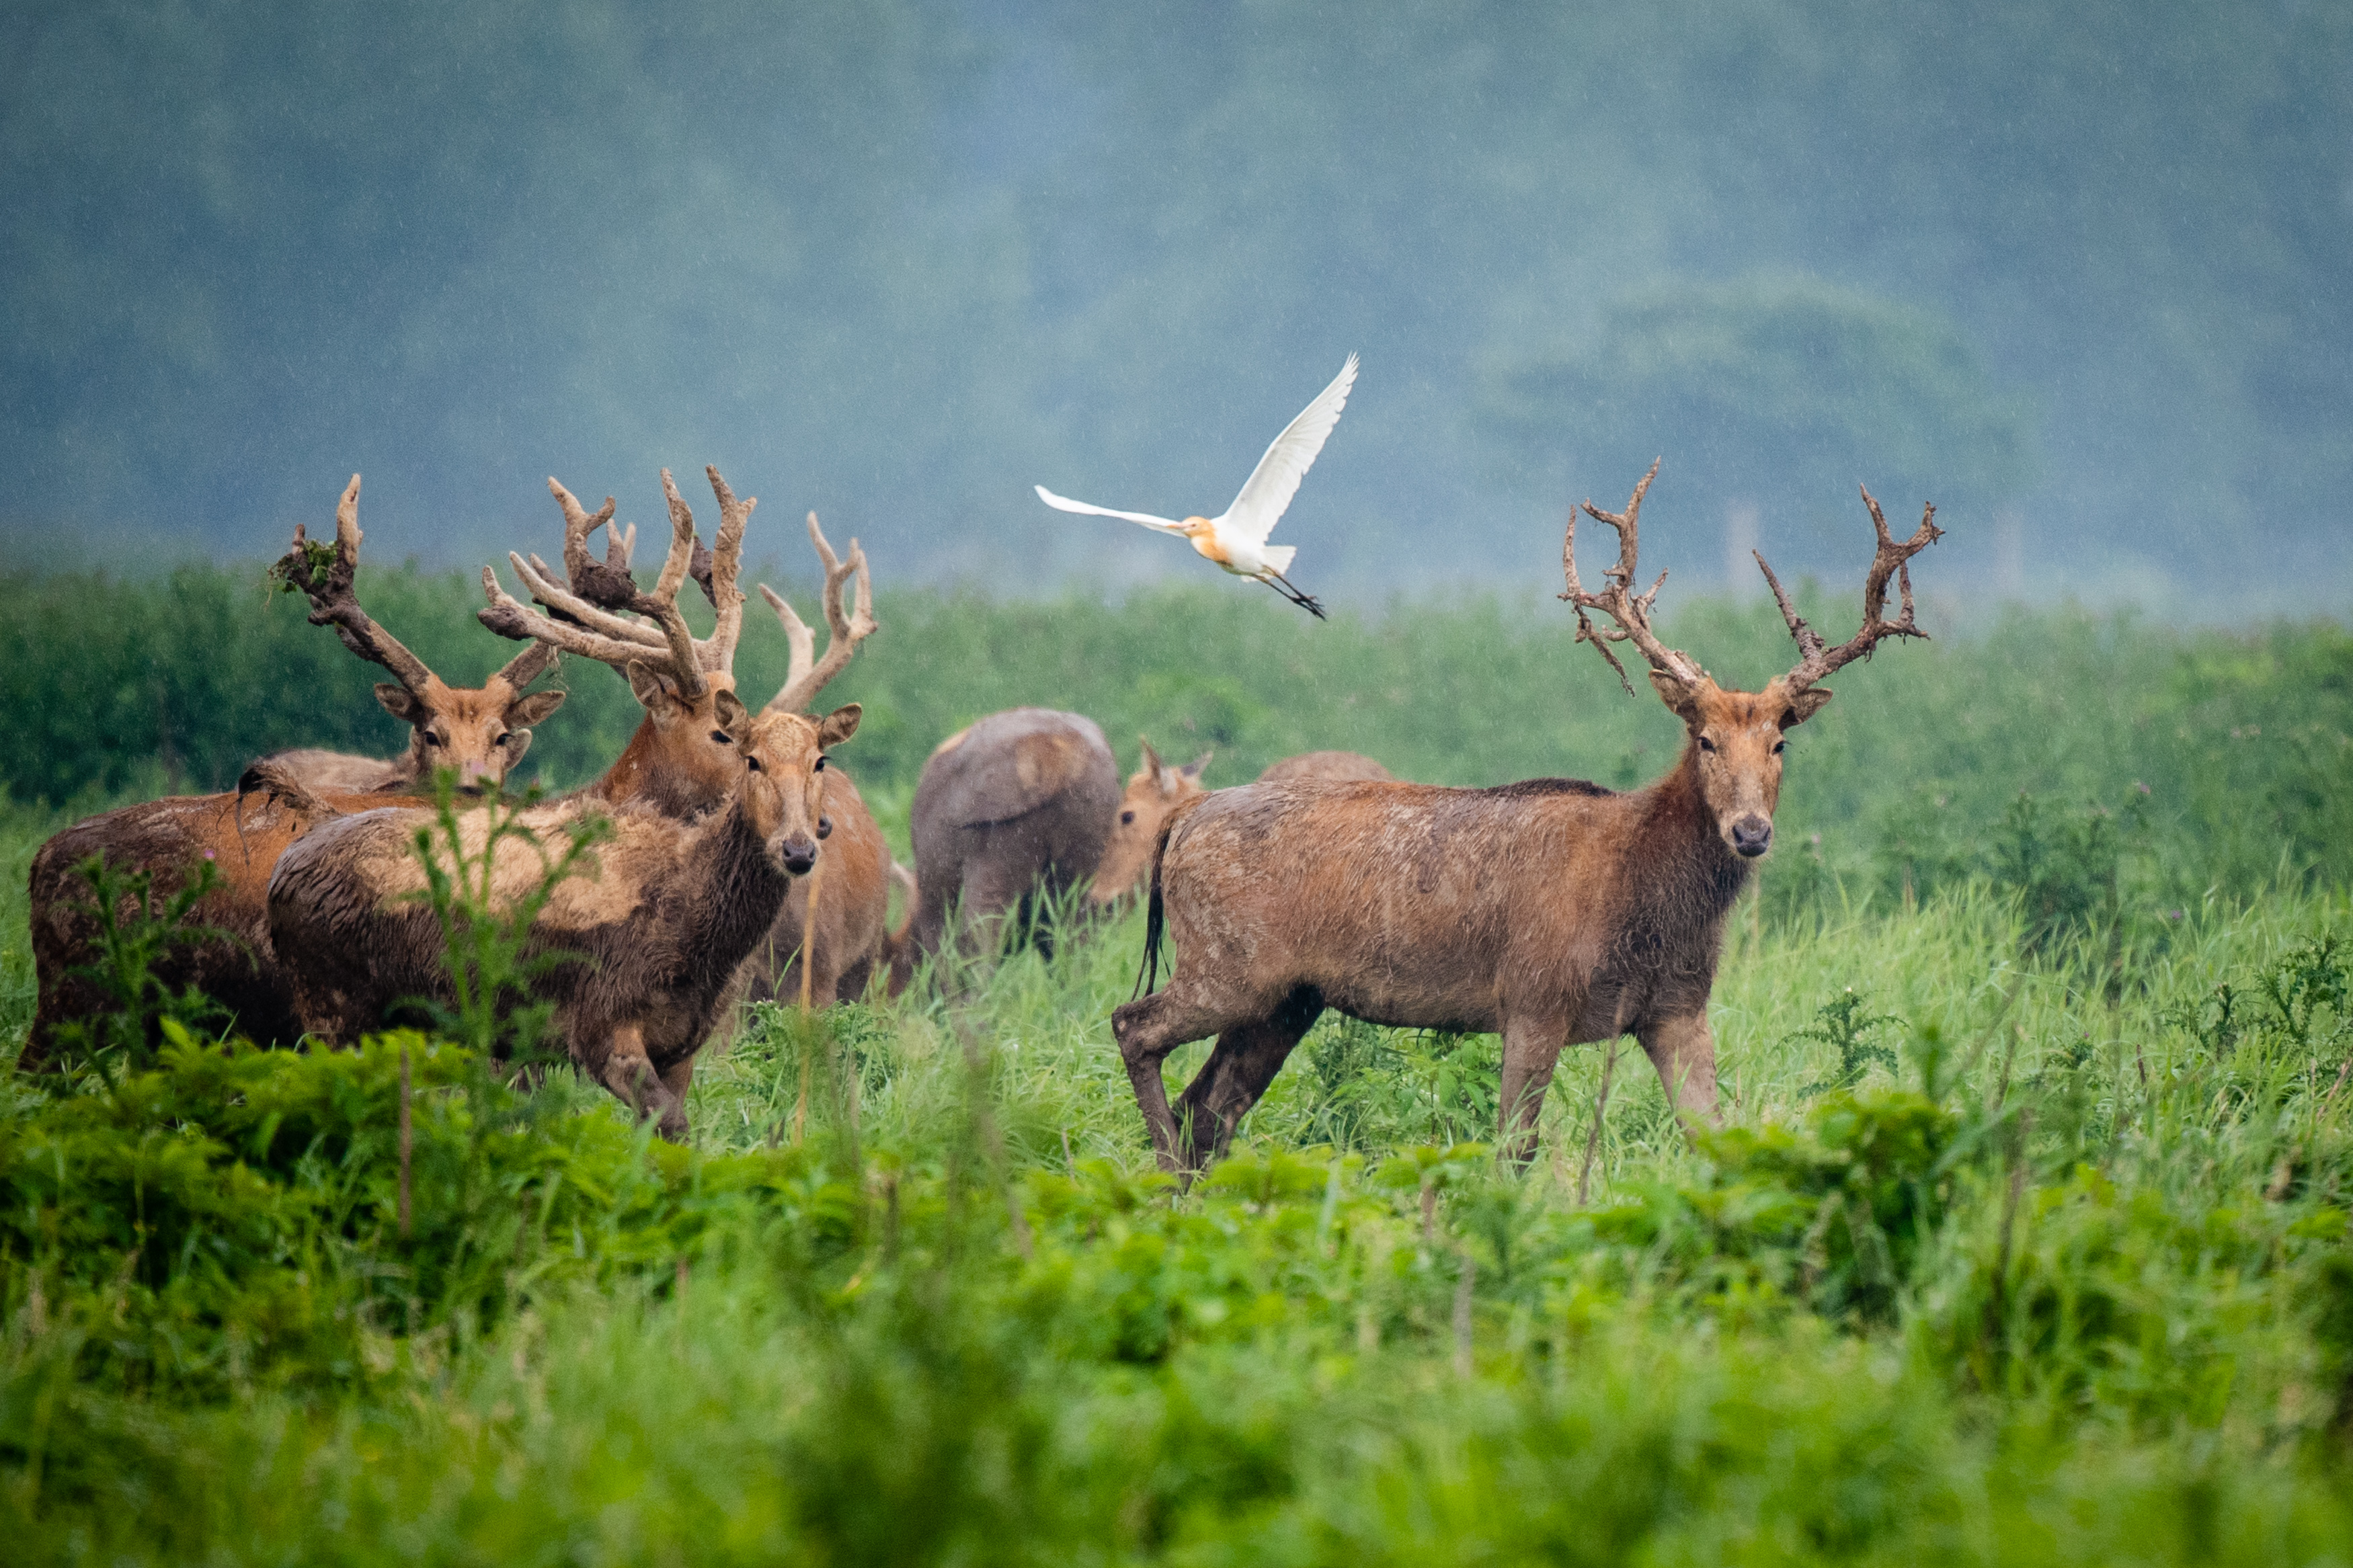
<point>1817,660</point>
<point>328,584</point>
<point>1629,611</point>
<point>807,676</point>
<point>583,615</point>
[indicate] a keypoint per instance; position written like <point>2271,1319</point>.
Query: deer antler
<point>1817,660</point>
<point>583,617</point>
<point>715,569</point>
<point>804,678</point>
<point>1631,611</point>
<point>333,603</point>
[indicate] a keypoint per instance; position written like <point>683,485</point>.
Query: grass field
<point>2027,1238</point>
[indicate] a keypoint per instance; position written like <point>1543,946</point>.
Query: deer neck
<point>741,891</point>
<point>1677,860</point>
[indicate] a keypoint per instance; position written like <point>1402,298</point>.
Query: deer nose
<point>1752,835</point>
<point>800,856</point>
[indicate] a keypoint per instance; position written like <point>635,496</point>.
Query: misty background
<point>2079,274</point>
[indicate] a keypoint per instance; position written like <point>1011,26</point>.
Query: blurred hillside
<point>2078,273</point>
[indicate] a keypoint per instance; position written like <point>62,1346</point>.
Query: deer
<point>1023,807</point>
<point>1552,911</point>
<point>648,945</point>
<point>829,942</point>
<point>480,734</point>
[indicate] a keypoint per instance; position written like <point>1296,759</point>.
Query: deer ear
<point>400,702</point>
<point>1192,770</point>
<point>654,691</point>
<point>1805,705</point>
<point>525,711</point>
<point>517,743</point>
<point>840,725</point>
<point>1678,694</point>
<point>1151,764</point>
<point>733,717</point>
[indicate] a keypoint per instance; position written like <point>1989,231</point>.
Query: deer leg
<point>1683,1050</point>
<point>629,1073</point>
<point>1532,1049</point>
<point>1147,1031</point>
<point>1236,1074</point>
<point>676,1079</point>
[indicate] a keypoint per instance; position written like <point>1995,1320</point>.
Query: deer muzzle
<point>797,854</point>
<point>1752,835</point>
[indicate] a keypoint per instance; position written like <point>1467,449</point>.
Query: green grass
<point>2063,1274</point>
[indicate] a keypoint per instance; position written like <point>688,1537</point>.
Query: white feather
<point>1266,495</point>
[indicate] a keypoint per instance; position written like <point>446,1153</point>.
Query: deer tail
<point>1147,978</point>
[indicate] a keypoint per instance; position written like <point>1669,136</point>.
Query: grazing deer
<point>1337,766</point>
<point>1553,912</point>
<point>1154,790</point>
<point>480,734</point>
<point>1024,805</point>
<point>673,907</point>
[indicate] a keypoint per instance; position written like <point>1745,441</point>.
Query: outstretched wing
<point>1064,503</point>
<point>1275,481</point>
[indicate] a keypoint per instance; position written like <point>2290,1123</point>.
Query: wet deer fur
<point>672,907</point>
<point>1553,913</point>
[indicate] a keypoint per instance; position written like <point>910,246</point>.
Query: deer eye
<point>502,740</point>
<point>722,737</point>
<point>754,763</point>
<point>819,767</point>
<point>1705,744</point>
<point>1780,747</point>
<point>1126,817</point>
<point>431,739</point>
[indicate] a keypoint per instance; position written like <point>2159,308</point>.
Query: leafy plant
<point>124,1035</point>
<point>1842,1025</point>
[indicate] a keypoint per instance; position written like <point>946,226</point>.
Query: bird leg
<point>1307,602</point>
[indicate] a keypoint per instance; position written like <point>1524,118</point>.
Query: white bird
<point>1237,541</point>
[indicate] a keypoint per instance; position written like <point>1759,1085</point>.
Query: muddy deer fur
<point>671,909</point>
<point>481,733</point>
<point>1553,913</point>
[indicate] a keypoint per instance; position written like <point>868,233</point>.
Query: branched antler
<point>583,615</point>
<point>807,676</point>
<point>715,569</point>
<point>328,584</point>
<point>1629,612</point>
<point>1816,659</point>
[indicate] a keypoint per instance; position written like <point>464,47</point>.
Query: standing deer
<point>480,734</point>
<point>846,941</point>
<point>675,905</point>
<point>1553,912</point>
<point>1024,805</point>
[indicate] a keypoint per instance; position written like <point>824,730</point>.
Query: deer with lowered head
<point>1553,912</point>
<point>1027,803</point>
<point>481,733</point>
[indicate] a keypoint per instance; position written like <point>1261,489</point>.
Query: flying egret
<point>1237,541</point>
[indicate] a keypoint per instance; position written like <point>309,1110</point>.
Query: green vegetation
<point>2026,1239</point>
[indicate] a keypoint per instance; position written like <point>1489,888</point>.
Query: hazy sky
<point>2079,273</point>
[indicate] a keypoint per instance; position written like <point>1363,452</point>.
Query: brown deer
<point>1022,806</point>
<point>1553,912</point>
<point>480,734</point>
<point>843,946</point>
<point>674,906</point>
<point>673,762</point>
<point>1337,766</point>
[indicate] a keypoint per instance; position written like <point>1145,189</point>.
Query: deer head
<point>481,734</point>
<point>1154,790</point>
<point>782,785</point>
<point>1735,740</point>
<point>599,613</point>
